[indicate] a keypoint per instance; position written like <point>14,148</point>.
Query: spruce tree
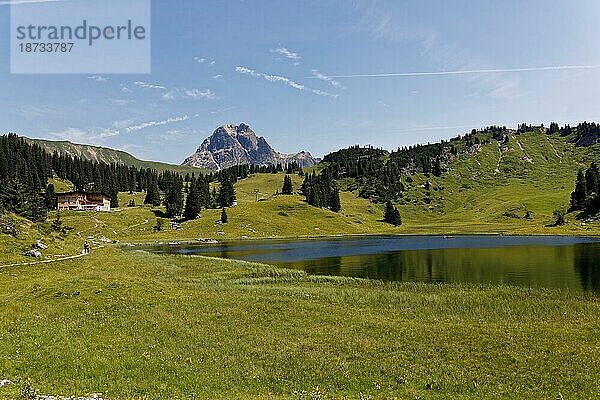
<point>193,202</point>
<point>437,167</point>
<point>224,216</point>
<point>226,192</point>
<point>113,192</point>
<point>152,195</point>
<point>334,200</point>
<point>288,188</point>
<point>14,197</point>
<point>50,197</point>
<point>592,175</point>
<point>396,218</point>
<point>36,207</point>
<point>174,198</point>
<point>392,215</point>
<point>580,193</point>
<point>389,211</point>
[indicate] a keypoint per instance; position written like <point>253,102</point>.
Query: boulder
<point>33,253</point>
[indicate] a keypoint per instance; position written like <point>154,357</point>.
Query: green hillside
<point>108,156</point>
<point>490,191</point>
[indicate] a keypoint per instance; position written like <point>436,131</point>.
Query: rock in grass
<point>33,253</point>
<point>5,382</point>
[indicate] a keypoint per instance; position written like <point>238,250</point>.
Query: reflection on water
<point>553,262</point>
<point>587,266</point>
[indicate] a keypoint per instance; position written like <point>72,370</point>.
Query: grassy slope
<point>132,325</point>
<point>109,156</point>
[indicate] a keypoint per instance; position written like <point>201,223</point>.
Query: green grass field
<point>133,325</point>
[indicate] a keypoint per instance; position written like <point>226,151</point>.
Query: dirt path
<point>136,225</point>
<point>43,261</point>
<point>554,149</point>
<point>497,171</point>
<point>527,158</point>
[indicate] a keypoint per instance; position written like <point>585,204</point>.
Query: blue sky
<point>270,64</point>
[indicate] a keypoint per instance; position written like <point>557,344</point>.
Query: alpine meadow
<point>300,200</point>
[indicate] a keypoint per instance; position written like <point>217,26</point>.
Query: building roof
<point>82,193</point>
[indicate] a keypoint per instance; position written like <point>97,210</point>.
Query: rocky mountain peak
<point>231,145</point>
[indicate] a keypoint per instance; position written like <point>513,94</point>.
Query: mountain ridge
<point>107,155</point>
<point>231,145</point>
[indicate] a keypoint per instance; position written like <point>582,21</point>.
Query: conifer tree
<point>36,208</point>
<point>193,202</point>
<point>288,188</point>
<point>14,196</point>
<point>592,175</point>
<point>334,200</point>
<point>391,214</point>
<point>174,198</point>
<point>152,195</point>
<point>580,193</point>
<point>226,192</point>
<point>224,217</point>
<point>50,197</point>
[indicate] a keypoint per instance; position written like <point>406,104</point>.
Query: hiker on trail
<point>86,248</point>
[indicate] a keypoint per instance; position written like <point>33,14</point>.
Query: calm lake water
<point>530,261</point>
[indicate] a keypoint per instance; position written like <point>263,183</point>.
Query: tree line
<point>25,169</point>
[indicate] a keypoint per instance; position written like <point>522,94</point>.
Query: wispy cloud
<point>217,77</point>
<point>202,60</point>
<point>88,136</point>
<point>326,78</point>
<point>17,2</point>
<point>282,79</point>
<point>146,85</point>
<point>149,124</point>
<point>98,78</point>
<point>467,71</point>
<point>70,134</point>
<point>290,55</point>
<point>170,94</point>
<point>183,93</point>
<point>197,93</point>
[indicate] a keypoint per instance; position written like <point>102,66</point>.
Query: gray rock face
<point>231,145</point>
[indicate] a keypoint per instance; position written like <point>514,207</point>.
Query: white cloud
<point>170,95</point>
<point>144,125</point>
<point>183,93</point>
<point>290,55</point>
<point>70,134</point>
<point>248,71</point>
<point>98,78</point>
<point>202,60</point>
<point>326,78</point>
<point>282,79</point>
<point>88,136</point>
<point>197,93</point>
<point>217,77</point>
<point>107,133</point>
<point>147,85</point>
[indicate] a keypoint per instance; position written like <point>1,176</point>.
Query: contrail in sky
<point>467,71</point>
